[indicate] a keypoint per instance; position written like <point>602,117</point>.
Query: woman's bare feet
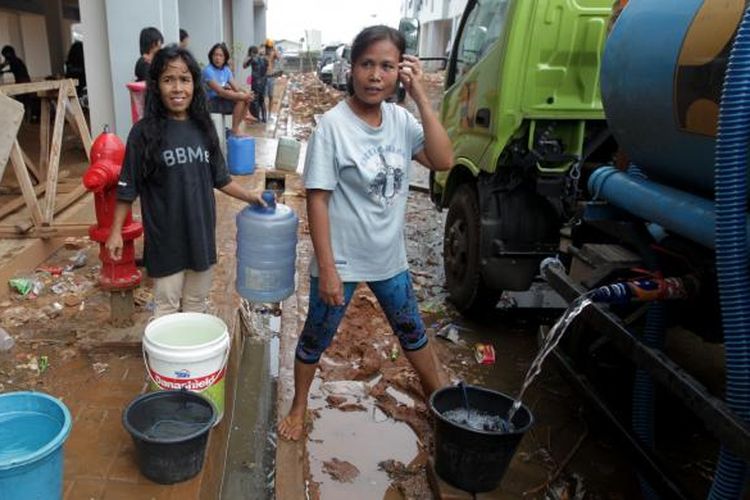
<point>292,427</point>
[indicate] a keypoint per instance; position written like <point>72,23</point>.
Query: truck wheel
<point>461,255</point>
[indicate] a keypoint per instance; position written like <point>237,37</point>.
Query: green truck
<point>523,109</point>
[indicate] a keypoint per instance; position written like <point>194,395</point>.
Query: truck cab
<point>523,110</point>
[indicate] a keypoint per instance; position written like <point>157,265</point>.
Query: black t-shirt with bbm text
<point>177,199</point>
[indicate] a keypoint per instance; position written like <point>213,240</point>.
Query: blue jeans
<point>396,297</point>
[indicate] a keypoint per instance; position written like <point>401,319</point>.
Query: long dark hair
<point>155,113</point>
<point>224,49</point>
<point>369,36</point>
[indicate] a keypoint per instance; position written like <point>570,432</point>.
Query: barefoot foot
<point>292,427</point>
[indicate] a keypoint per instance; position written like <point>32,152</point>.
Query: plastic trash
<point>6,341</point>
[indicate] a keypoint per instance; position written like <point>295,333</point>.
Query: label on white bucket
<point>197,384</point>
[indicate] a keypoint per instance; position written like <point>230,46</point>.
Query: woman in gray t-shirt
<point>357,178</point>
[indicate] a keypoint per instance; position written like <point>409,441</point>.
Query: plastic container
<point>188,351</point>
<point>137,99</point>
<point>470,459</point>
<point>241,155</point>
<point>287,154</point>
<point>169,430</point>
<point>33,428</point>
<point>266,251</point>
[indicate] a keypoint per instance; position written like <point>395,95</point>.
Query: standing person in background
<point>273,59</point>
<point>356,177</point>
<point>17,68</point>
<point>224,95</point>
<point>259,67</point>
<point>150,42</point>
<point>184,39</point>
<point>15,65</point>
<point>173,163</point>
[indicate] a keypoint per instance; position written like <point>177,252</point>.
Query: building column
<point>244,35</point>
<point>53,17</point>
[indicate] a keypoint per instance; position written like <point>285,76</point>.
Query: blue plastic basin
<point>33,428</point>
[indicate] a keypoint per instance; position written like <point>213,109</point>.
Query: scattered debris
<point>100,368</point>
<point>355,388</point>
<point>6,341</point>
<point>484,354</point>
<point>340,470</point>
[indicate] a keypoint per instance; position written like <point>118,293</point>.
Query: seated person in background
<point>15,65</point>
<point>224,95</point>
<point>150,42</point>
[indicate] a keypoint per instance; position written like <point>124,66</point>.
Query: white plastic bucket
<point>188,350</point>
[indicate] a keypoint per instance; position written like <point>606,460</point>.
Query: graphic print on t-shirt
<point>385,167</point>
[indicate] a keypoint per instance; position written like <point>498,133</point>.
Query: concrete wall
<point>35,46</point>
<point>124,21</point>
<point>203,21</point>
<point>98,71</point>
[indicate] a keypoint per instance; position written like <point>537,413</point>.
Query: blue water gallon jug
<point>266,251</point>
<point>241,155</point>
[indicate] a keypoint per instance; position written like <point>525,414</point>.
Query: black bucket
<point>170,430</point>
<point>469,459</point>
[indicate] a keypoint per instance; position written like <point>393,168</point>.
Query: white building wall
<point>203,21</point>
<point>35,47</point>
<point>243,27</point>
<point>125,20</point>
<point>96,60</point>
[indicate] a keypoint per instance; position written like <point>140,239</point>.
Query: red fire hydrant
<point>107,153</point>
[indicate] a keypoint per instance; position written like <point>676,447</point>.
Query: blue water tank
<point>266,251</point>
<point>241,155</point>
<point>661,79</point>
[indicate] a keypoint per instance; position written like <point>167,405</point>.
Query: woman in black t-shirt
<point>173,163</point>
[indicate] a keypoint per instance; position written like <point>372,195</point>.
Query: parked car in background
<point>326,73</point>
<point>342,66</point>
<point>327,56</point>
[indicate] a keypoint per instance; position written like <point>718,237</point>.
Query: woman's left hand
<point>255,197</point>
<point>410,74</point>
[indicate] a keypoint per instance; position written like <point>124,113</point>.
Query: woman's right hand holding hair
<point>330,287</point>
<point>114,245</point>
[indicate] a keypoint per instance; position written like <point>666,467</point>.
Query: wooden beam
<point>30,165</point>
<point>81,125</point>
<point>43,86</point>
<point>13,205</point>
<point>54,157</point>
<point>24,227</point>
<point>22,175</point>
<point>44,138</point>
<point>76,230</point>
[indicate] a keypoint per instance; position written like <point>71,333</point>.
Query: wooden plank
<point>44,138</point>
<point>13,205</point>
<point>30,165</point>
<point>27,88</point>
<point>81,125</point>
<point>72,230</point>
<point>22,175</point>
<point>61,204</point>
<point>11,116</point>
<point>54,157</point>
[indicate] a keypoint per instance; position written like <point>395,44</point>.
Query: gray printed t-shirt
<point>367,168</point>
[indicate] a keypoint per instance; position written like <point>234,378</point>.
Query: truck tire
<point>461,259</point>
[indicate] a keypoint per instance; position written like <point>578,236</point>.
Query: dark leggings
<point>396,297</point>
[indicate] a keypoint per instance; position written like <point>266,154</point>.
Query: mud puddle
<point>350,438</point>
